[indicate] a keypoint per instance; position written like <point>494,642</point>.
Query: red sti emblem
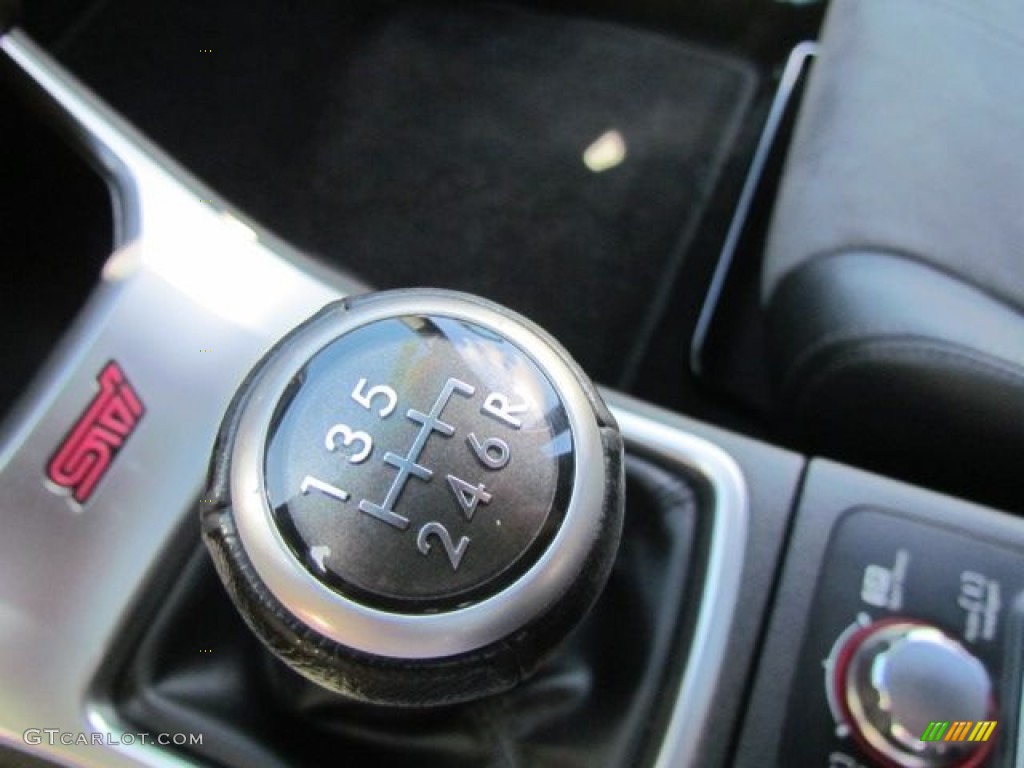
<point>93,442</point>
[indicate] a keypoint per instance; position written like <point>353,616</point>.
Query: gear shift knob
<point>416,495</point>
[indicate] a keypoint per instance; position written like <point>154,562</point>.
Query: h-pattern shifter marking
<point>407,465</point>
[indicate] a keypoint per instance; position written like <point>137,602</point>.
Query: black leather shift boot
<point>599,702</point>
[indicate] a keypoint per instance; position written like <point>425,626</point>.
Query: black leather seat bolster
<point>893,274</point>
<point>885,360</point>
<point>909,140</point>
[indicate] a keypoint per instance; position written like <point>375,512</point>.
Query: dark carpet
<point>429,145</point>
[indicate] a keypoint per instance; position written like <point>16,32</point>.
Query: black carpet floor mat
<point>429,145</point>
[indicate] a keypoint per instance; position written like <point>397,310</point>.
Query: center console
<point>764,608</point>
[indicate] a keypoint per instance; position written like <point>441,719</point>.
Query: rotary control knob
<point>896,678</point>
<point>416,496</point>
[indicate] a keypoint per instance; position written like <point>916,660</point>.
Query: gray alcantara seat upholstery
<point>894,272</point>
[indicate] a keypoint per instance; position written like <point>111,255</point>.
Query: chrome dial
<point>897,678</point>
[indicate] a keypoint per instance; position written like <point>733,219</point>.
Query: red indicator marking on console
<point>93,443</point>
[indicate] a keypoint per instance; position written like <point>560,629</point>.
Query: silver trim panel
<point>70,576</point>
<point>719,599</point>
